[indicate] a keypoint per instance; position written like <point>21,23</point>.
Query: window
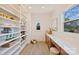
<point>38,26</point>
<point>71,23</point>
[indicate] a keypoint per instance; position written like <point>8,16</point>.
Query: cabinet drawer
<point>48,41</point>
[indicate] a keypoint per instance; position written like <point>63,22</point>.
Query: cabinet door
<point>57,46</point>
<point>48,41</point>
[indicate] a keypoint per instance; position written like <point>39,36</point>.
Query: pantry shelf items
<point>12,35</point>
<point>6,16</point>
<point>8,22</point>
<point>7,41</point>
<point>2,18</point>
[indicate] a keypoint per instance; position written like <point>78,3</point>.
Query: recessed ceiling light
<point>43,7</point>
<point>30,7</point>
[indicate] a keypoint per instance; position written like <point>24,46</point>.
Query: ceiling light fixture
<point>43,7</point>
<point>30,7</point>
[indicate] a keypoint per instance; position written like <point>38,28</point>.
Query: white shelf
<point>4,42</point>
<point>16,46</point>
<point>9,33</point>
<point>23,35</point>
<point>9,26</point>
<point>16,52</point>
<point>23,45</point>
<point>3,50</point>
<point>23,42</point>
<point>23,30</point>
<point>10,52</point>
<point>8,19</point>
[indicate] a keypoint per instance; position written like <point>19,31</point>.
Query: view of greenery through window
<point>71,23</point>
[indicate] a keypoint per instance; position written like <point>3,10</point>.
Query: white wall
<point>60,26</point>
<point>45,22</point>
<point>61,29</point>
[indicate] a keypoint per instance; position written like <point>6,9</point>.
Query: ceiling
<point>34,8</point>
<point>44,8</point>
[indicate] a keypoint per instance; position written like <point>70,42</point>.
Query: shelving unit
<point>6,19</point>
<point>4,42</point>
<point>11,51</point>
<point>4,50</point>
<point>23,34</point>
<point>14,40</point>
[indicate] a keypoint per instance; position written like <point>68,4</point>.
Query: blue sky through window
<point>73,13</point>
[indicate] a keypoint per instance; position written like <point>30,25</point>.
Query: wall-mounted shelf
<point>4,42</point>
<point>9,26</point>
<point>8,33</point>
<point>10,52</point>
<point>3,50</point>
<point>6,19</point>
<point>12,35</point>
